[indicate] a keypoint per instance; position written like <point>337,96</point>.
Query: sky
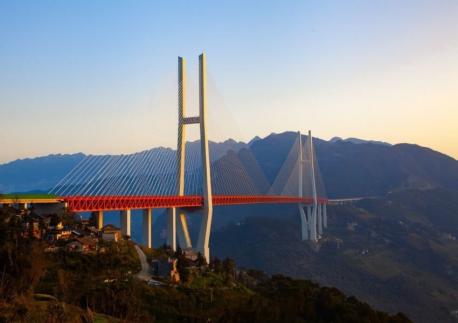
<point>98,76</point>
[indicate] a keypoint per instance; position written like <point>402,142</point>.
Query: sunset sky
<point>100,76</point>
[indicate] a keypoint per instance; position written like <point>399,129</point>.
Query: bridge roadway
<point>109,203</point>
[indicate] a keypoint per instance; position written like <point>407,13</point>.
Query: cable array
<point>153,172</point>
<point>288,180</point>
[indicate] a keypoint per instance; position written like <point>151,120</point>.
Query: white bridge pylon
<point>313,216</point>
<point>314,219</point>
<point>139,181</point>
<point>181,226</point>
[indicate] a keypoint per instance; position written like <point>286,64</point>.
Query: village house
<point>190,254</point>
<point>84,223</point>
<point>33,225</point>
<point>32,229</point>
<point>93,231</point>
<point>52,249</point>
<point>166,268</point>
<point>111,233</point>
<point>82,244</point>
<point>58,234</point>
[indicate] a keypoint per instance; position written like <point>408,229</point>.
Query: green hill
<point>67,286</point>
<point>399,253</point>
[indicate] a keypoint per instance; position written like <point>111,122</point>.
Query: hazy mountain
<point>43,173</point>
<point>348,169</point>
<point>218,149</point>
<point>364,169</point>
<point>359,141</point>
<point>36,174</point>
<point>253,140</point>
<point>367,169</point>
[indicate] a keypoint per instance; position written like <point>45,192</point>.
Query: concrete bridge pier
<point>320,221</point>
<point>309,221</point>
<point>146,228</point>
<point>304,223</point>
<point>184,238</point>
<point>99,219</point>
<point>325,216</point>
<point>207,216</point>
<point>312,214</point>
<point>125,222</point>
<point>172,228</point>
<point>181,226</point>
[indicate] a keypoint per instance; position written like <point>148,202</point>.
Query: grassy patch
<point>379,263</point>
<point>102,318</point>
<point>20,196</point>
<point>44,297</point>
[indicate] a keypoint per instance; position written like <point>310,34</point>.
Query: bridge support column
<point>325,216</point>
<point>183,231</point>
<point>172,228</point>
<point>184,238</point>
<point>312,222</point>
<point>99,219</point>
<point>320,221</point>
<point>125,222</point>
<point>309,221</point>
<point>311,161</point>
<point>207,216</point>
<point>146,230</point>
<point>304,223</point>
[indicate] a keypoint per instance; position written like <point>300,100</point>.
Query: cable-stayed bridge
<point>191,177</point>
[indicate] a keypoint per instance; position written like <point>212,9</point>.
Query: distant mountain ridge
<point>359,141</point>
<point>364,169</point>
<point>349,168</point>
<point>36,174</point>
<point>40,174</point>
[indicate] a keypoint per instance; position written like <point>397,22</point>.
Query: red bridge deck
<point>108,203</point>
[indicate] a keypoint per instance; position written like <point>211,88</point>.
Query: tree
<point>68,218</point>
<point>55,219</point>
<point>21,312</point>
<point>178,253</point>
<point>22,259</point>
<point>56,312</point>
<point>93,219</point>
<point>229,268</point>
<point>200,262</point>
<point>216,265</point>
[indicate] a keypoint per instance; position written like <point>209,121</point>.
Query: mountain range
<point>397,248</point>
<point>349,168</point>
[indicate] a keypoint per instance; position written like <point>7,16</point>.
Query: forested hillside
<point>398,252</point>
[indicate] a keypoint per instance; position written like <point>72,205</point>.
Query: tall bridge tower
<point>182,226</point>
<point>128,182</point>
<point>315,219</point>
